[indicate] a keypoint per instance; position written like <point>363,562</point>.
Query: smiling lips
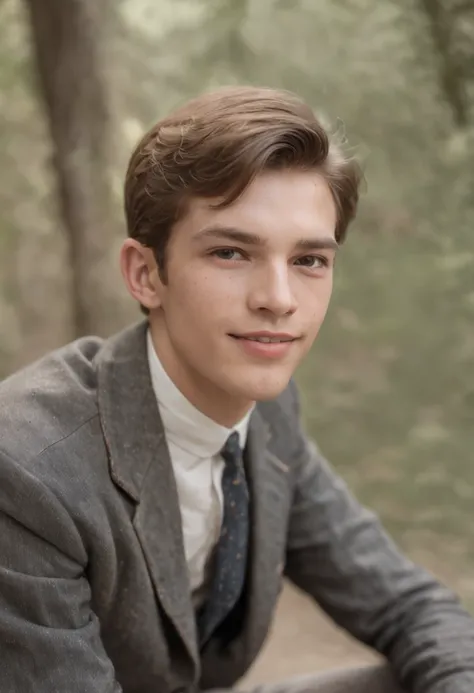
<point>266,337</point>
<point>272,345</point>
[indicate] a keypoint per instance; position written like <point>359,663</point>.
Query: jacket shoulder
<point>48,400</point>
<point>282,416</point>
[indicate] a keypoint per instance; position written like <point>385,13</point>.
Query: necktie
<point>231,550</point>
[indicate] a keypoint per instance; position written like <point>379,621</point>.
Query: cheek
<point>206,299</point>
<point>187,295</point>
<point>192,309</point>
<point>316,300</point>
<point>326,298</point>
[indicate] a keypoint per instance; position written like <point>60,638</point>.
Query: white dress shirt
<point>194,443</point>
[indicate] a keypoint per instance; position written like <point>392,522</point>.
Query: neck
<point>211,401</point>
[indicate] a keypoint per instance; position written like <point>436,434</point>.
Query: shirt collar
<point>185,426</point>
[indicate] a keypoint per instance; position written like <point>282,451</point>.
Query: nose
<point>272,291</point>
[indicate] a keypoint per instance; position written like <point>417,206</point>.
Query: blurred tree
<point>69,41</point>
<point>454,66</point>
<point>33,288</point>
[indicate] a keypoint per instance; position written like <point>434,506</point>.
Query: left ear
<point>140,273</point>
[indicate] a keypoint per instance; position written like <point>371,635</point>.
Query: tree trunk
<point>451,78</point>
<point>69,40</point>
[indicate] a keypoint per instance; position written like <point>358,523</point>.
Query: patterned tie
<point>231,550</point>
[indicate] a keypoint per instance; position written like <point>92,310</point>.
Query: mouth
<point>266,338</point>
<point>265,345</point>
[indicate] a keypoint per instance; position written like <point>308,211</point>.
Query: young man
<point>156,487</point>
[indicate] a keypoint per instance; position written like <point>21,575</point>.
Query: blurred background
<point>389,387</point>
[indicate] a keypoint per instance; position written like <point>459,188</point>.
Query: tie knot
<point>231,452</point>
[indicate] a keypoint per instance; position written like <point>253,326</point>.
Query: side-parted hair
<point>215,145</point>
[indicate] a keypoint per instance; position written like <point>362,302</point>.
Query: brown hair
<point>215,145</point>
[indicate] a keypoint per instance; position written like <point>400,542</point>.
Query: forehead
<point>276,205</point>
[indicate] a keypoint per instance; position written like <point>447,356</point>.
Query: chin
<point>264,391</point>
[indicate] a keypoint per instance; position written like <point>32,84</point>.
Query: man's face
<point>258,270</point>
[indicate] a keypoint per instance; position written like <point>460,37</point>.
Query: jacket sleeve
<point>49,635</point>
<point>340,555</point>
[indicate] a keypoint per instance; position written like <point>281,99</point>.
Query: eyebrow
<point>236,235</point>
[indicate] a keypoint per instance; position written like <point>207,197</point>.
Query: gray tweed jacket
<point>94,592</point>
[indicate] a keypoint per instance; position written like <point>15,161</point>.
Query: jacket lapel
<point>270,492</point>
<point>140,465</point>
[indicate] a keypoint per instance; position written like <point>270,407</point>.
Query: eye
<point>313,261</point>
<point>227,254</point>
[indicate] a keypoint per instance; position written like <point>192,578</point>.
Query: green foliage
<point>389,386</point>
